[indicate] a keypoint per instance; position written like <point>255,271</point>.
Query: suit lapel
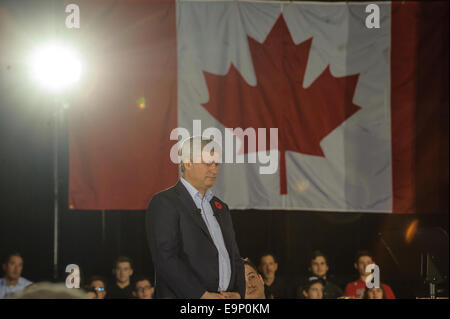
<point>192,209</point>
<point>218,213</point>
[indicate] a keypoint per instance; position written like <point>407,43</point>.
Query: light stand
<point>55,67</point>
<point>56,130</point>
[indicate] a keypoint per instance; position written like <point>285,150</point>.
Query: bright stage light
<point>55,67</point>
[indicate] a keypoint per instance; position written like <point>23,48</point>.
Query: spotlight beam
<point>55,67</point>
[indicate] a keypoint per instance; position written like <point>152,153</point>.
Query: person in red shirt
<point>356,289</point>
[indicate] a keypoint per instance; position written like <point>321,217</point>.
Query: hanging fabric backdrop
<point>345,100</point>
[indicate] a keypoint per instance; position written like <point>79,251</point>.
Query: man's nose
<point>214,168</point>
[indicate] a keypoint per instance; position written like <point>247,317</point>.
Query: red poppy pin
<point>218,205</point>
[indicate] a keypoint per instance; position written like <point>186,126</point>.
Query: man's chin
<point>210,183</point>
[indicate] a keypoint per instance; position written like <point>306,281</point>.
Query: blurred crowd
<point>262,282</point>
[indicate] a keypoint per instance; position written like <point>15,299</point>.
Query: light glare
<point>55,67</point>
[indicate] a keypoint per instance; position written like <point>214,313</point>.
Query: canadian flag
<point>340,95</point>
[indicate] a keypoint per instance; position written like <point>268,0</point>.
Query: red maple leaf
<point>303,116</point>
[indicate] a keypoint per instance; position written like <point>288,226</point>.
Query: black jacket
<point>330,291</point>
<point>183,252</point>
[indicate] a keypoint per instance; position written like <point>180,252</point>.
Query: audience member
<point>12,282</point>
<point>274,285</point>
<point>143,288</point>
<point>313,289</point>
<point>374,293</point>
<point>261,282</point>
<point>356,288</point>
<point>254,281</point>
<point>319,268</point>
<point>121,288</point>
<point>97,288</point>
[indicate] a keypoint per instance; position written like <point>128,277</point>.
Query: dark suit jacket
<point>184,255</point>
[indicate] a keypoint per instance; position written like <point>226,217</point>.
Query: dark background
<point>93,239</point>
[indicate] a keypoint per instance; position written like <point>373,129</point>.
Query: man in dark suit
<point>190,232</point>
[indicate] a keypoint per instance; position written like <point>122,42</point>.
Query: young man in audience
<point>274,285</point>
<point>254,281</point>
<point>143,288</point>
<point>97,288</point>
<point>319,268</point>
<point>313,289</point>
<point>12,282</point>
<point>121,288</point>
<point>355,289</point>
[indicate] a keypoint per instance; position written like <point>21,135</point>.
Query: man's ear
<point>131,274</point>
<point>304,294</point>
<point>276,266</point>
<point>355,265</point>
<point>134,293</point>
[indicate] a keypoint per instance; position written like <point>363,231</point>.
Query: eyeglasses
<point>99,289</point>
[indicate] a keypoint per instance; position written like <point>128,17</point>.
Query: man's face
<point>254,284</point>
<point>319,267</point>
<point>362,263</point>
<point>99,293</point>
<point>123,271</point>
<point>13,268</point>
<point>268,266</point>
<point>315,291</point>
<point>375,293</point>
<point>144,290</point>
<point>202,173</point>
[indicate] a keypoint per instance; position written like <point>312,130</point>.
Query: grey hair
<point>48,290</point>
<point>188,146</point>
